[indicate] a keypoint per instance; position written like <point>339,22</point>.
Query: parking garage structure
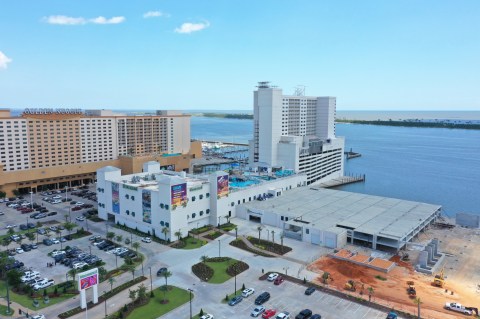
<point>333,218</point>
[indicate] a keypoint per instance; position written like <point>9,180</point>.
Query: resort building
<point>333,218</point>
<point>55,148</point>
<point>295,132</point>
<point>176,201</point>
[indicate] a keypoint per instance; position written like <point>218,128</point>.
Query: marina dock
<point>342,181</point>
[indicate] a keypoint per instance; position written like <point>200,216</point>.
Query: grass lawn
<point>220,271</point>
<point>155,308</point>
<point>3,311</point>
<point>26,301</point>
<point>193,243</point>
<point>230,296</point>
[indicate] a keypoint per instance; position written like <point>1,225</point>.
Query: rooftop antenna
<point>299,90</point>
<point>263,85</point>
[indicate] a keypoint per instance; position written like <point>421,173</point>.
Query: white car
<point>29,276</point>
<point>79,204</point>
<point>11,226</point>
<point>19,250</point>
<point>79,265</point>
<point>258,310</point>
<point>57,253</point>
<point>38,317</point>
<point>247,292</point>
<point>146,239</point>
<point>57,197</point>
<point>44,284</point>
<point>272,276</point>
<point>283,315</point>
<point>207,316</point>
<point>57,201</point>
<point>55,241</point>
<point>80,218</point>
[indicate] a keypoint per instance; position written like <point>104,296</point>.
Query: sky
<point>210,54</point>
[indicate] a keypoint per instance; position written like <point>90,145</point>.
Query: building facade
<point>178,202</point>
<point>296,132</point>
<point>55,148</point>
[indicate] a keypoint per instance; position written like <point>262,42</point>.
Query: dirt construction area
<point>461,267</point>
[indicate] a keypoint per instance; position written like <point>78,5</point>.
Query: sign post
<point>86,280</point>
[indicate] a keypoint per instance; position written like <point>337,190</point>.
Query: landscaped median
<point>189,243</point>
<point>101,298</point>
<point>217,270</point>
<point>261,247</point>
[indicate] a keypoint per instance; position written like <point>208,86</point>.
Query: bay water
<point>432,165</point>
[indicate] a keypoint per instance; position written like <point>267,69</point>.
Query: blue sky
<point>176,54</point>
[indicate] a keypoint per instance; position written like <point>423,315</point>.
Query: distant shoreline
<point>416,123</point>
<point>237,116</point>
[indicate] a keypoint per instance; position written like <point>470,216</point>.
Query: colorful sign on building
<point>116,198</point>
<point>147,206</point>
<point>87,279</point>
<point>222,185</point>
<point>179,194</point>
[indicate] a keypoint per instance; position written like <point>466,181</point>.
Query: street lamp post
<point>218,247</point>
<point>190,290</point>
<point>105,300</point>
<point>31,199</point>
<point>116,261</point>
<point>151,280</point>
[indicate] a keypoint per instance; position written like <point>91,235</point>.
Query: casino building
<point>55,148</point>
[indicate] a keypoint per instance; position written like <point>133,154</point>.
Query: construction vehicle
<point>411,291</point>
<point>439,279</point>
<point>351,285</point>
<point>392,315</point>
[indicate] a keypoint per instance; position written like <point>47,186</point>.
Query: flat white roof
<point>327,209</point>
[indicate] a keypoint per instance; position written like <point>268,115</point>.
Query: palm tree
<point>165,232</point>
<point>131,268</point>
<point>30,236</point>
<point>111,281</point>
<point>119,238</point>
<point>371,291</point>
<point>6,241</point>
<point>136,245</point>
<point>110,235</point>
<point>204,259</point>
<point>178,234</point>
<point>325,277</point>
<point>166,274</point>
<point>418,302</point>
<point>69,226</point>
<point>259,228</point>
<point>72,272</point>
<point>10,231</point>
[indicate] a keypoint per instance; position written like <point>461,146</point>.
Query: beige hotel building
<point>55,148</point>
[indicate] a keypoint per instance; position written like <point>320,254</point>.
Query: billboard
<point>179,194</point>
<point>222,186</point>
<point>116,198</point>
<point>87,279</point>
<point>147,206</point>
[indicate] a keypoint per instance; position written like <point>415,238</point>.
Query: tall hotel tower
<point>296,132</point>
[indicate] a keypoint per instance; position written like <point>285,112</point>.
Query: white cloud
<point>155,14</point>
<point>65,20</point>
<point>103,20</point>
<point>4,60</point>
<point>189,27</point>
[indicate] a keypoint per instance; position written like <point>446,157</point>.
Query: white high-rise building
<point>296,132</point>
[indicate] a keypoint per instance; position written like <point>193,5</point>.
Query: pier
<point>342,181</point>
<point>351,154</point>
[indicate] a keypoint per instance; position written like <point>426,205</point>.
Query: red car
<point>278,280</point>
<point>269,313</point>
<point>75,208</point>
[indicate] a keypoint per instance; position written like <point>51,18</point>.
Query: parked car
<point>309,291</point>
<point>272,276</point>
<point>146,239</point>
<point>161,271</point>
<point>235,300</point>
<point>80,218</point>
<point>76,208</point>
<point>263,297</point>
<point>258,310</point>
<point>316,316</point>
<point>247,292</point>
<point>41,316</point>
<point>279,280</point>
<point>19,250</point>
<point>304,314</point>
<point>269,313</point>
<point>43,285</point>
<point>283,315</point>
<point>207,316</point>
<point>52,213</point>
